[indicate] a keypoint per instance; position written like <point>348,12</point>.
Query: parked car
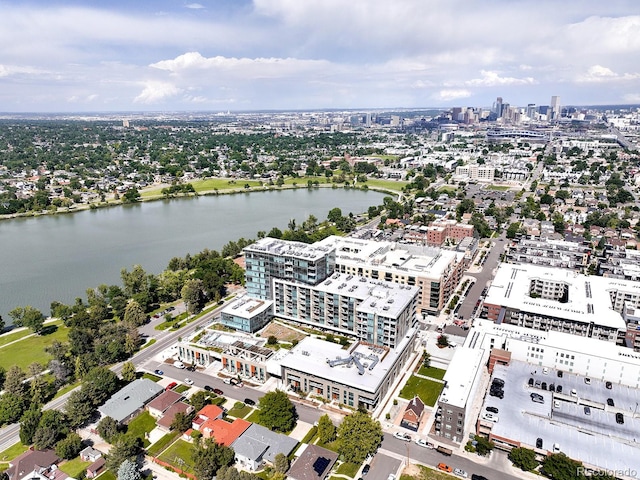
<point>497,393</point>
<point>158,372</point>
<point>208,388</point>
<point>217,391</point>
<point>559,373</point>
<point>171,386</point>
<point>559,389</point>
<point>544,385</point>
<point>556,448</point>
<point>530,381</point>
<point>587,380</point>
<point>248,401</point>
<point>365,469</point>
<point>498,381</point>
<point>188,381</point>
<point>402,436</point>
<point>444,467</point>
<point>461,473</point>
<point>619,418</point>
<point>423,443</point>
<point>490,417</point>
<point>552,387</point>
<point>587,410</point>
<point>178,365</point>
<point>610,402</point>
<point>608,385</point>
<point>538,442</point>
<point>478,477</point>
<point>492,409</point>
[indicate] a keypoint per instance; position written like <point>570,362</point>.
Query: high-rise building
<point>555,107</point>
<point>498,107</point>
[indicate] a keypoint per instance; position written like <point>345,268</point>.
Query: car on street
<point>405,437</point>
<point>444,467</point>
<point>208,388</point>
<point>610,402</point>
<point>217,391</point>
<point>478,477</point>
<point>461,473</point>
<point>179,365</point>
<point>365,469</point>
<point>188,381</point>
<point>608,385</point>
<point>423,443</point>
<point>248,401</point>
<point>587,380</point>
<point>391,477</point>
<point>587,410</point>
<point>539,442</point>
<point>619,418</point>
<point>158,372</point>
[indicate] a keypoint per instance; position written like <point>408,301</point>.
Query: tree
<point>69,447</point>
<point>334,215</point>
<point>281,463</point>
<point>99,384</point>
<point>277,412</point>
<point>129,471</point>
<point>125,447</point>
<point>29,424</point>
<point>443,341</point>
<point>523,458</point>
<point>358,436</point>
<point>193,295</point>
<point>560,467</point>
<point>11,407</point>
<point>14,381</point>
<point>208,457</point>
<point>108,429</point>
<point>28,317</point>
<point>426,359</point>
<point>326,430</point>
<point>128,372</point>
<point>134,315</point>
<point>483,445</point>
<point>78,408</point>
<point>2,324</point>
<point>199,399</point>
<point>181,422</point>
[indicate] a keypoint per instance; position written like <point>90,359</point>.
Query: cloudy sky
<point>166,55</point>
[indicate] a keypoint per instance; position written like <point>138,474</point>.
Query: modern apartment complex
<point>435,271</point>
<point>551,253</point>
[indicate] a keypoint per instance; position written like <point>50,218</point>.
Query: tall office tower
<point>531,110</point>
<point>498,108</point>
<point>367,120</point>
<point>555,107</point>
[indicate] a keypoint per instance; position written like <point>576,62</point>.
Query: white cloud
<point>600,74</point>
<point>154,92</point>
<point>631,97</point>
<point>194,6</point>
<point>7,70</point>
<point>493,79</point>
<point>451,94</point>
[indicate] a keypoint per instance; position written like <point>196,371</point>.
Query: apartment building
<point>551,253</point>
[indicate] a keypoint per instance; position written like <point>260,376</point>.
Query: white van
<point>178,365</point>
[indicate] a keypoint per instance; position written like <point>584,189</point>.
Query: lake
<point>57,257</point>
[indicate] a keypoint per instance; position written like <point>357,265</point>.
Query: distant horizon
<point>281,55</point>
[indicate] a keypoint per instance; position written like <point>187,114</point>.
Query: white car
<point>179,365</point>
<point>188,381</point>
<point>490,417</point>
<point>459,472</point>
<point>423,443</point>
<point>402,436</point>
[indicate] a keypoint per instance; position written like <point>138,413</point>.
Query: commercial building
<point>553,299</point>
<point>473,171</point>
<point>359,377</point>
<point>247,314</point>
<point>377,312</point>
<point>434,271</point>
<point>247,360</point>
<point>551,253</point>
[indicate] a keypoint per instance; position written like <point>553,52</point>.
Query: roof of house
<point>97,465</point>
<point>129,399</point>
<point>416,406</point>
<point>29,461</point>
<point>90,452</point>
<point>163,401</point>
<point>260,442</point>
<point>170,413</point>
<point>210,412</point>
<point>313,464</point>
<point>223,432</point>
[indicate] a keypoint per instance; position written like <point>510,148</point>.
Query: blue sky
<point>161,55</point>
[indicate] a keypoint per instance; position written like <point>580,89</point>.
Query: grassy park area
<point>427,390</point>
<point>28,348</point>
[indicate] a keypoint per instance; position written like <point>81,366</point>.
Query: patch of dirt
<point>281,332</point>
<point>412,470</point>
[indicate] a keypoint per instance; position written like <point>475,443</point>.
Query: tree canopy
<point>277,412</point>
<point>359,436</point>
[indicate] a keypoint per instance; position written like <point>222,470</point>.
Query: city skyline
<point>69,56</point>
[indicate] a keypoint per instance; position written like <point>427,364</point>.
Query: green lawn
<point>254,417</point>
<point>151,376</point>
<point>12,452</point>
<point>67,388</point>
<point>179,455</point>
<point>500,188</point>
<point>388,184</point>
<point>427,390</point>
<point>31,349</point>
<point>181,388</point>
<point>141,425</point>
<point>349,469</point>
<point>432,372</point>
<point>13,336</point>
<point>223,184</point>
<point>74,467</point>
<point>107,475</point>
<point>239,411</point>
<point>155,449</point>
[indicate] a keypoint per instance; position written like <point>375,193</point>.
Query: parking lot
<point>560,419</point>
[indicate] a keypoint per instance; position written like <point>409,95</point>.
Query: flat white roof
<point>286,248</point>
<point>247,307</point>
<point>312,355</point>
<point>588,296</point>
<point>400,259</point>
<point>461,376</point>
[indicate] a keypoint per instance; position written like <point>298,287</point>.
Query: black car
<point>552,387</point>
<point>191,368</point>
<point>610,402</point>
<point>608,385</point>
<point>559,389</point>
<point>366,468</point>
<point>497,393</point>
<point>248,401</point>
<point>478,477</point>
<point>531,382</point>
<point>498,381</point>
<point>619,418</point>
<point>208,388</point>
<point>492,409</point>
<point>559,373</point>
<point>544,385</point>
<point>538,442</point>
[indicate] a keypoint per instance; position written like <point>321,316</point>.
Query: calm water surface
<point>58,257</point>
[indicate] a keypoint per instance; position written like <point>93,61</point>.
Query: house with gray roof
<point>129,400</point>
<point>313,464</point>
<point>258,445</point>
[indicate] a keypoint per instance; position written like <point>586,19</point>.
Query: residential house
<point>163,402</point>
<point>313,464</point>
<point>258,445</point>
<point>129,400</point>
<point>35,465</point>
<point>413,414</point>
<point>90,454</point>
<point>96,468</point>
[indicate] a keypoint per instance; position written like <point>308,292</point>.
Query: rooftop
<point>246,307</point>
<point>259,442</point>
<point>285,248</point>
<point>313,464</point>
<point>129,399</point>
<point>459,380</point>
